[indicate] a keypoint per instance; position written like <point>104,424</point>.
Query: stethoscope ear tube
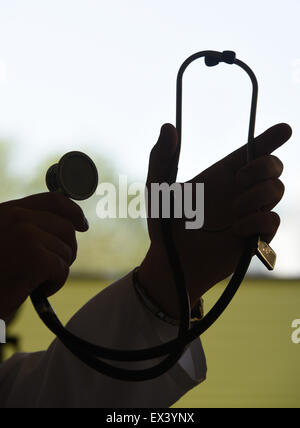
<point>90,353</point>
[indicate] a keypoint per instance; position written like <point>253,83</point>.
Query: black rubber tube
<point>87,352</point>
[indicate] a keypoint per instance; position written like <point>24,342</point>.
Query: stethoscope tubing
<point>90,353</point>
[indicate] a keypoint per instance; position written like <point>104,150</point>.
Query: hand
<point>238,203</point>
<point>38,244</point>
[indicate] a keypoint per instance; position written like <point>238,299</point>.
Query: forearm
<point>115,318</point>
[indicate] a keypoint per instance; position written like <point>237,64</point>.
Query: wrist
<point>156,278</point>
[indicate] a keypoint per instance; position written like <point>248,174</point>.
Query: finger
<point>51,223</point>
<point>54,203</point>
<point>35,236</point>
<point>263,224</point>
<point>261,169</point>
<point>53,272</point>
<point>162,155</point>
<point>264,144</point>
<point>264,196</point>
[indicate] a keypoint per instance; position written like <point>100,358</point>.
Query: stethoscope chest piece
<point>75,176</point>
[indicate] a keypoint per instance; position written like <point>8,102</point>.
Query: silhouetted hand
<point>239,199</point>
<point>38,244</point>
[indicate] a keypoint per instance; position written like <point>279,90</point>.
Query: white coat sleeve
<point>114,318</point>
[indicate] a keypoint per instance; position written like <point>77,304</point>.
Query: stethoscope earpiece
<point>75,175</point>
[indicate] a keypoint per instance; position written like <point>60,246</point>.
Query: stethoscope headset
<point>76,177</point>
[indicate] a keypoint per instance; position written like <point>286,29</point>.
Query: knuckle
<point>69,229</point>
<point>66,228</point>
<point>269,168</point>
<point>277,165</point>
<point>75,250</point>
<point>280,188</point>
<point>70,239</point>
<point>272,166</point>
<point>275,188</point>
<point>62,268</point>
<point>66,273</point>
<point>76,208</point>
<point>72,204</point>
<point>69,255</point>
<point>275,219</point>
<point>61,273</point>
<point>58,281</point>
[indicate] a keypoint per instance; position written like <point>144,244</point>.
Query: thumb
<point>162,156</point>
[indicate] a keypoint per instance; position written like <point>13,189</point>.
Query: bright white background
<point>100,75</point>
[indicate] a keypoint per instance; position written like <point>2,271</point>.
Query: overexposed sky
<point>101,75</point>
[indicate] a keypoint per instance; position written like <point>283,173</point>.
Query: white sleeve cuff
<point>115,318</point>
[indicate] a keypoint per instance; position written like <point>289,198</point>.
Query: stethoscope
<point>76,177</point>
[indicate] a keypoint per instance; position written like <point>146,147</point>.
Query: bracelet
<point>196,315</point>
